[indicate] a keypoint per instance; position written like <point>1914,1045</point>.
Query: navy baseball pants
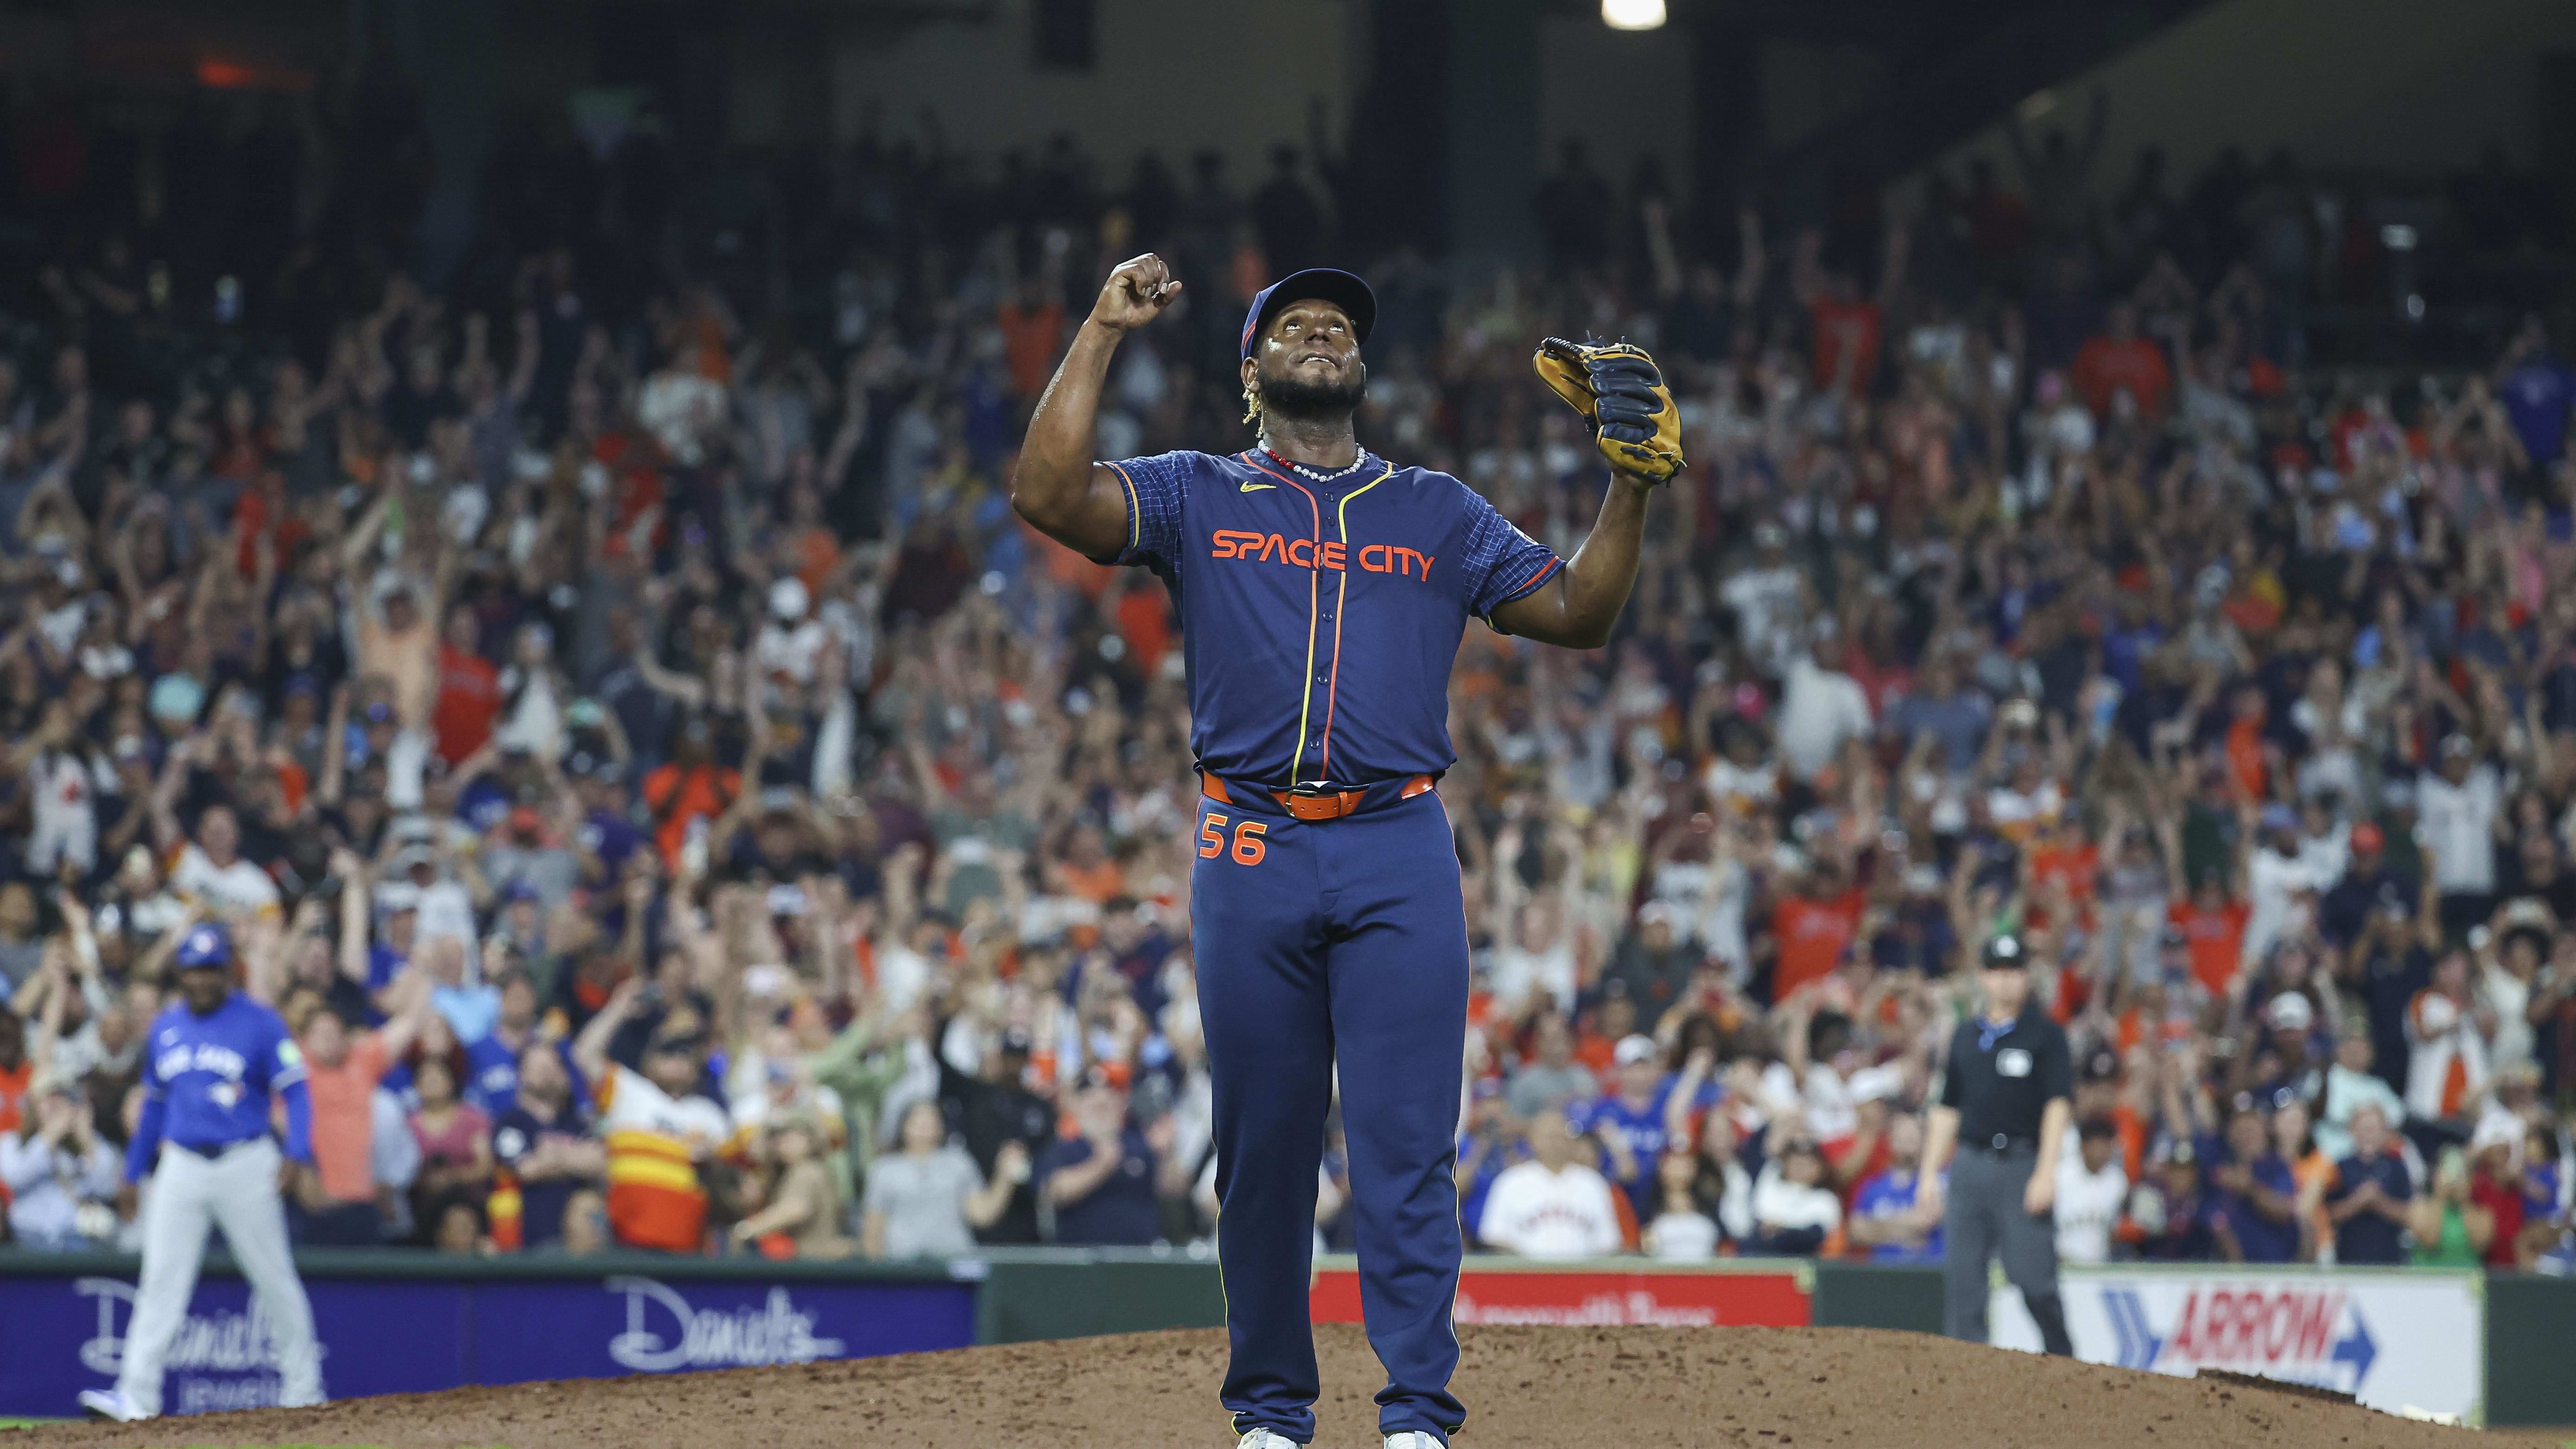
<point>1319,943</point>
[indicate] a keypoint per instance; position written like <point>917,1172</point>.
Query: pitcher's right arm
<point>1057,487</point>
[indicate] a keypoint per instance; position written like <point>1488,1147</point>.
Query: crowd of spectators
<point>676,805</point>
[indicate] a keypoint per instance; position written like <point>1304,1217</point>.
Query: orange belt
<point>1325,805</point>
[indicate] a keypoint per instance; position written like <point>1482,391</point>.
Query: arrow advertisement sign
<point>2394,1340</point>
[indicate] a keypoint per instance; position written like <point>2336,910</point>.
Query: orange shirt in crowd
<point>1099,883</point>
<point>253,516</point>
<point>680,798</point>
<point>2245,764</point>
<point>292,783</point>
<point>13,1094</point>
<point>344,1133</point>
<point>2137,367</point>
<point>2217,941</point>
<point>1145,621</point>
<point>655,1199</point>
<point>1598,1053</point>
<point>2132,1128</point>
<point>1839,325</point>
<point>469,699</point>
<point>2070,859</point>
<point>818,554</point>
<point>1029,337</point>
<point>1812,935</point>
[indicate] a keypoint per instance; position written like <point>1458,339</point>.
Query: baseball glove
<point>1622,397</point>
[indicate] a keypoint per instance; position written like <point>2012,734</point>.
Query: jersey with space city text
<point>1320,618</point>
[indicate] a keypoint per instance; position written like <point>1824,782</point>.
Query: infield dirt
<point>1525,1388</point>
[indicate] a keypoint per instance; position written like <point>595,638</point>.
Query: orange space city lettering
<point>1305,553</point>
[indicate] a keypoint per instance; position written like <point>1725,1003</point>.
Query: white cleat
<point>1414,1439</point>
<point>1267,1439</point>
<point>112,1405</point>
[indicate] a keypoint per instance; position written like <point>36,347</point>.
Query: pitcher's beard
<point>1284,396</point>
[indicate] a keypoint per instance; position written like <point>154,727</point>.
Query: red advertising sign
<point>1515,1290</point>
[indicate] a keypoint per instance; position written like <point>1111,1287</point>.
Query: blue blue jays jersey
<point>1319,620</point>
<point>491,1076</point>
<point>216,1073</point>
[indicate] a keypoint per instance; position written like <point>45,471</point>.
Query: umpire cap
<point>206,945</point>
<point>1323,284</point>
<point>2005,953</point>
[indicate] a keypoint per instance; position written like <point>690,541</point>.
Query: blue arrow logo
<point>2139,1343</point>
<point>2356,1348</point>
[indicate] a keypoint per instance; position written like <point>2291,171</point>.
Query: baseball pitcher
<point>212,1063</point>
<point>1323,592</point>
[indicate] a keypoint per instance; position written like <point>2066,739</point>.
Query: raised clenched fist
<point>1136,293</point>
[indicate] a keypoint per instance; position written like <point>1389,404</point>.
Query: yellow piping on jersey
<point>1341,606</point>
<point>1135,511</point>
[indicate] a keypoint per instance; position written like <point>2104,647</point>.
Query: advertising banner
<point>1747,1292</point>
<point>59,1335</point>
<point>2414,1338</point>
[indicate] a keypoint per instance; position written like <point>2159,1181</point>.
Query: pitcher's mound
<point>1543,1388</point>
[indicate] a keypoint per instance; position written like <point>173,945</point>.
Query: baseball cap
<point>2366,837</point>
<point>2457,745</point>
<point>788,599</point>
<point>1633,1049</point>
<point>2005,953</point>
<point>2290,1011</point>
<point>1323,284</point>
<point>2277,816</point>
<point>206,945</point>
<point>2497,1129</point>
<point>2101,1065</point>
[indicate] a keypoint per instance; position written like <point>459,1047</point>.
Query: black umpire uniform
<point>2001,1079</point>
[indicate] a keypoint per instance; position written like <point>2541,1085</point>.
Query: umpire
<point>2005,1102</point>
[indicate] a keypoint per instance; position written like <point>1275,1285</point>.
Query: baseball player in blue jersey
<point>212,1063</point>
<point>1322,592</point>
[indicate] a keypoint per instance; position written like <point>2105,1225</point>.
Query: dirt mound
<point>1546,1388</point>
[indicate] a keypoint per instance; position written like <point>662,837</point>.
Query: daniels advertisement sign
<point>2393,1340</point>
<point>1511,1290</point>
<point>61,1334</point>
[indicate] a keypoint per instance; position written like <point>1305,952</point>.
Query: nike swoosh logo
<point>1256,487</point>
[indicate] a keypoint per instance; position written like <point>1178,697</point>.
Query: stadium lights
<point>1633,14</point>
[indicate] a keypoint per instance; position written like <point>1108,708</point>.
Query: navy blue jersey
<point>1319,620</point>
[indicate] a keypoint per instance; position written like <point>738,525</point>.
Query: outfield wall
<point>394,1322</point>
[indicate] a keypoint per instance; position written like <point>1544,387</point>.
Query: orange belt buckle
<point>1326,805</point>
<point>1332,805</point>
